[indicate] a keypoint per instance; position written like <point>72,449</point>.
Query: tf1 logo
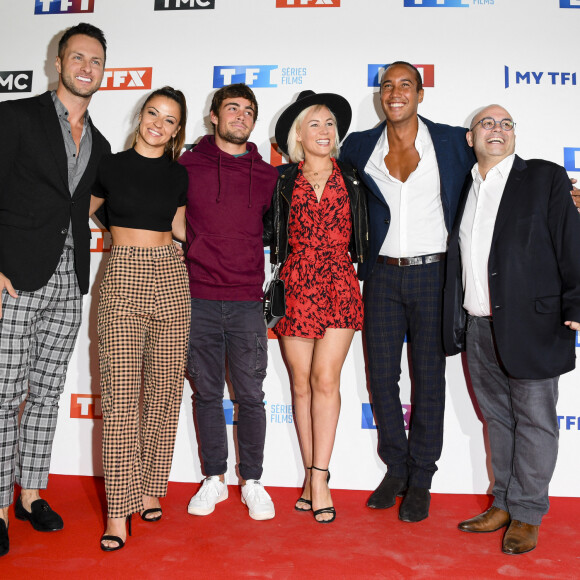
<point>569,3</point>
<point>368,420</point>
<point>15,81</point>
<point>63,6</point>
<point>258,75</point>
<point>376,72</point>
<point>572,158</point>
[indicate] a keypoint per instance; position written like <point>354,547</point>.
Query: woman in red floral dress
<point>320,217</point>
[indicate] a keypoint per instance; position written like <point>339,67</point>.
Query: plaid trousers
<point>143,325</point>
<point>38,331</point>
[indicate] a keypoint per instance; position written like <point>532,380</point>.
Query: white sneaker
<point>258,501</point>
<point>211,492</point>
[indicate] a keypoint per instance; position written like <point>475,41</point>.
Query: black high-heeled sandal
<point>109,538</point>
<point>308,502</point>
<point>326,510</point>
<point>152,511</point>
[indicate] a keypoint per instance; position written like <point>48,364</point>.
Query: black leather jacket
<point>276,220</point>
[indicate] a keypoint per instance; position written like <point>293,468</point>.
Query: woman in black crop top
<point>144,313</point>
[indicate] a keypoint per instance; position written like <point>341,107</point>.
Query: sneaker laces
<point>256,491</point>
<point>210,486</point>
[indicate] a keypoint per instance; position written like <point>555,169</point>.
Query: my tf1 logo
<point>569,3</point>
<point>85,406</point>
<point>307,3</point>
<point>258,75</point>
<point>63,6</point>
<point>368,420</point>
<point>572,158</point>
<point>435,4</point>
<point>376,72</point>
<point>15,81</point>
<point>127,79</point>
<point>184,4</point>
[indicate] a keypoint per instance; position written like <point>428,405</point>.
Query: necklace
<point>314,176</point>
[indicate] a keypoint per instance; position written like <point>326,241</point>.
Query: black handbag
<point>274,305</point>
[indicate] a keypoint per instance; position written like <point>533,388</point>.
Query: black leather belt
<point>416,261</point>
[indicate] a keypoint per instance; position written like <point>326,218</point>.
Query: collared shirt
<point>417,223</point>
<point>476,232</point>
<point>76,164</point>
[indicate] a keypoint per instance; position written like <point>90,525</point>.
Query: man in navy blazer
<point>415,171</point>
<point>49,153</point>
<point>512,300</point>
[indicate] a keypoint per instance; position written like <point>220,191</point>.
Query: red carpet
<point>361,543</point>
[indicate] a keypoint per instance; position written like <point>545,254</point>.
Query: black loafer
<point>42,517</point>
<point>4,542</point>
<point>386,494</point>
<point>415,505</point>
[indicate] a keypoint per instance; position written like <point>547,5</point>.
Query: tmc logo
<point>569,3</point>
<point>307,3</point>
<point>184,4</point>
<point>63,6</point>
<point>536,78</point>
<point>85,406</point>
<point>251,75</point>
<point>126,79</point>
<point>229,410</point>
<point>572,162</point>
<point>15,81</point>
<point>435,4</point>
<point>100,240</point>
<point>368,419</point>
<point>376,72</point>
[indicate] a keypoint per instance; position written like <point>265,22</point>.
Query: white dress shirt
<point>417,224</point>
<point>476,231</point>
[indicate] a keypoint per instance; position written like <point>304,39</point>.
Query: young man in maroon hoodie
<point>230,190</point>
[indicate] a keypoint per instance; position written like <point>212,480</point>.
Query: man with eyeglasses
<point>512,301</point>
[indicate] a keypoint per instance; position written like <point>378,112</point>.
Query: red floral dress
<point>322,290</point>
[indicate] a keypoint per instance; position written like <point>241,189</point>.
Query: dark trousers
<point>522,426</point>
<point>235,330</point>
<point>398,301</point>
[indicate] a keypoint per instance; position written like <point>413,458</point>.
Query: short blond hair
<point>295,149</point>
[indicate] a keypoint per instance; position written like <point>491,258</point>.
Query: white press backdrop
<point>520,53</point>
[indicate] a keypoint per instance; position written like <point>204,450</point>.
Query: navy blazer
<point>36,206</point>
<point>454,157</point>
<point>533,273</point>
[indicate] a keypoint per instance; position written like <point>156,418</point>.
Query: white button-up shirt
<point>476,231</point>
<point>417,223</point>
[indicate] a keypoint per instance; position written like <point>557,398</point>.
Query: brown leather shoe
<point>490,520</point>
<point>520,538</point>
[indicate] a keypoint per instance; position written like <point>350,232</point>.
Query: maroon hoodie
<point>226,200</point>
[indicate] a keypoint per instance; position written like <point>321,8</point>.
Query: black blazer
<point>35,203</point>
<point>533,273</point>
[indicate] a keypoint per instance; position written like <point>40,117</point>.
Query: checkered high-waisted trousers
<point>143,325</point>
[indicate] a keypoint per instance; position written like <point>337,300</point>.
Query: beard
<point>68,83</point>
<point>235,138</point>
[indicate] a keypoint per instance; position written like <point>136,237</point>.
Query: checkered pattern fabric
<point>143,324</point>
<point>399,301</point>
<point>38,331</point>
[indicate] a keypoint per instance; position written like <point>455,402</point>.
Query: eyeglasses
<point>488,123</point>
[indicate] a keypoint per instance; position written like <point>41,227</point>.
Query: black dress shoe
<point>386,494</point>
<point>415,505</point>
<point>4,543</point>
<point>42,517</point>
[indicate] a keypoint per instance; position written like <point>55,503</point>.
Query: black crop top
<point>141,192</point>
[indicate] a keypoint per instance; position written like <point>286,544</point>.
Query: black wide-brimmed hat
<point>337,104</point>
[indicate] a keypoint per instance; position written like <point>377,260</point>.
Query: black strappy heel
<point>326,510</point>
<point>115,539</point>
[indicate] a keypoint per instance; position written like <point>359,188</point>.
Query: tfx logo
<point>251,75</point>
<point>368,419</point>
<point>572,163</point>
<point>307,3</point>
<point>127,79</point>
<point>85,406</point>
<point>435,4</point>
<point>63,6</point>
<point>375,72</point>
<point>569,3</point>
<point>229,409</point>
<point>101,240</point>
<point>536,78</point>
<point>15,81</point>
<point>184,4</point>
